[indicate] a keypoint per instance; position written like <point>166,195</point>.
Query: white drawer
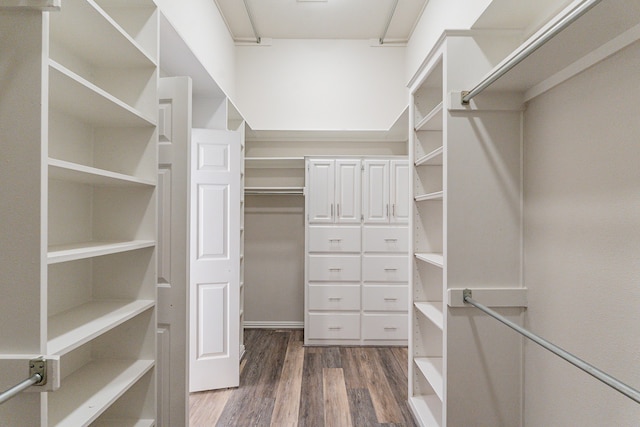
<point>385,326</point>
<point>334,268</point>
<point>339,326</point>
<point>385,298</point>
<point>385,268</point>
<point>386,239</point>
<point>333,297</point>
<point>334,239</point>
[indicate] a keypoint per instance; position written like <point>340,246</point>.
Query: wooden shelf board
<point>68,171</point>
<point>71,252</point>
<point>428,410</point>
<point>432,258</point>
<point>432,121</point>
<point>124,422</point>
<point>433,158</point>
<point>431,368</point>
<point>89,391</point>
<point>274,162</point>
<point>73,328</point>
<point>88,31</point>
<point>76,96</point>
<point>437,195</point>
<point>432,311</point>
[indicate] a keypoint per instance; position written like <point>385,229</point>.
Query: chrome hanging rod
<point>253,25</point>
<point>612,382</point>
<point>531,47</point>
<point>386,28</point>
<point>37,376</point>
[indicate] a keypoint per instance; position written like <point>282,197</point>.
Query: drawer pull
<point>335,269</point>
<point>390,269</point>
<point>334,298</point>
<point>390,328</point>
<point>390,240</point>
<point>335,240</point>
<point>391,299</point>
<point>335,328</point>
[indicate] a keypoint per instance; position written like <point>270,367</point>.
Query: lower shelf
<point>431,368</point>
<point>124,423</point>
<point>427,409</point>
<point>88,392</point>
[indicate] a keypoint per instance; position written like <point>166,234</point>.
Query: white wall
<point>439,15</point>
<point>202,27</point>
<point>320,85</point>
<point>582,244</point>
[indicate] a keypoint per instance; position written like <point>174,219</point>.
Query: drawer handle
<point>335,240</point>
<point>390,240</point>
<point>391,299</point>
<point>335,269</point>
<point>390,328</point>
<point>335,328</point>
<point>334,298</point>
<point>390,269</point>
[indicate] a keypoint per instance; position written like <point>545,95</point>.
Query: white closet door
<point>174,133</point>
<point>399,191</point>
<point>321,179</point>
<point>375,204</point>
<point>215,260</point>
<point>348,191</point>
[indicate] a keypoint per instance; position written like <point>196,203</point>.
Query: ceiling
<point>321,19</point>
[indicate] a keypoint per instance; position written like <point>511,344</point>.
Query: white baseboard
<point>273,324</point>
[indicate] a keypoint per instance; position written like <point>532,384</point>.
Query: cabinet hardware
<point>390,269</point>
<point>391,299</point>
<point>335,240</point>
<point>387,210</point>
<point>338,209</point>
<point>390,328</point>
<point>335,269</point>
<point>393,209</point>
<point>331,210</point>
<point>335,328</point>
<point>390,240</point>
<point>334,298</point>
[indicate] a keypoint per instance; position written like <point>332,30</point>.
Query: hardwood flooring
<point>285,384</point>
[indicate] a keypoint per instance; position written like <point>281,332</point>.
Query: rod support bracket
<point>38,366</point>
<point>466,293</point>
<point>462,95</point>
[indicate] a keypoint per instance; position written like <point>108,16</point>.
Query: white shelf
<point>122,422</point>
<point>274,191</point>
<point>432,258</point>
<point>432,311</point>
<point>75,327</point>
<point>68,171</point>
<point>88,392</point>
<point>432,121</point>
<point>76,96</point>
<point>437,195</point>
<point>433,158</point>
<point>88,31</point>
<point>274,162</point>
<point>431,368</point>
<point>72,252</point>
<point>428,410</point>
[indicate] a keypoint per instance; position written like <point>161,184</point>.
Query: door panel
<point>399,192</point>
<point>348,185</point>
<point>376,192</point>
<point>321,191</point>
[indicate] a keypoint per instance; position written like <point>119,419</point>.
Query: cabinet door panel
<point>334,326</point>
<point>375,201</point>
<point>385,298</point>
<point>334,297</point>
<point>399,192</point>
<point>348,191</point>
<point>321,176</point>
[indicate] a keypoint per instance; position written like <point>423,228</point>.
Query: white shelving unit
<point>95,304</point>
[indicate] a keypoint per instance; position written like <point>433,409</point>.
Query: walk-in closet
<point>319,212</point>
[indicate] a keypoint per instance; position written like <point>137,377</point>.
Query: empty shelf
<point>432,121</point>
<point>432,258</point>
<point>432,311</point>
<point>122,422</point>
<point>72,252</point>
<point>431,368</point>
<point>274,191</point>
<point>428,409</point>
<point>75,327</point>
<point>437,195</point>
<point>68,171</point>
<point>274,162</point>
<point>433,158</point>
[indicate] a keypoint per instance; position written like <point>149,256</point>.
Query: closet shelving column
<point>101,211</point>
<point>426,387</point>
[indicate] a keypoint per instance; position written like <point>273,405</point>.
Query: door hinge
<point>362,168</point>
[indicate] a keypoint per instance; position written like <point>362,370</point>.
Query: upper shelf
<point>603,23</point>
<point>67,171</point>
<point>274,162</point>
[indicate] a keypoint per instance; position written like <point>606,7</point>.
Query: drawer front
<point>334,268</point>
<point>385,268</point>
<point>385,298</point>
<point>334,239</point>
<point>333,297</point>
<point>338,326</point>
<point>385,326</point>
<point>386,239</point>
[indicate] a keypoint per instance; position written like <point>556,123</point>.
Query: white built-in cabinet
<point>386,191</point>
<point>87,132</point>
<point>356,272</point>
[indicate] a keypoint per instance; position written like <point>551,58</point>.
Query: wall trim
<point>273,324</point>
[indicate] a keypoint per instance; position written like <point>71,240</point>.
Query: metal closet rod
<point>612,382</point>
<point>253,25</point>
<point>533,45</point>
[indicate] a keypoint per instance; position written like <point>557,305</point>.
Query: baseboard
<point>273,324</point>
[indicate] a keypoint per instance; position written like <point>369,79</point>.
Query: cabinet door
<point>375,203</point>
<point>399,191</point>
<point>321,194</point>
<point>348,191</point>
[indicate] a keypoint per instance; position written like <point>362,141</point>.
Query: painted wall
<point>202,27</point>
<point>320,85</point>
<point>439,15</point>
<point>582,240</point>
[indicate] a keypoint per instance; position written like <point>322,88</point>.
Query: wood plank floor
<point>283,383</point>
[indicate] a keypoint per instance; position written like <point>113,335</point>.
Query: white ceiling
<point>318,19</point>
